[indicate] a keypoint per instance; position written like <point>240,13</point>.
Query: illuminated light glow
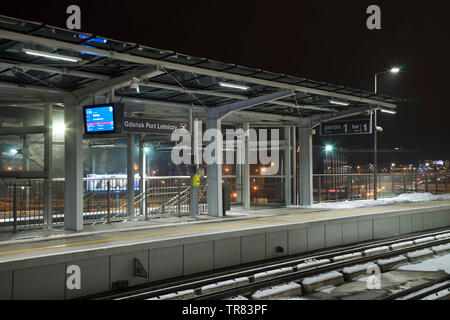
<point>59,128</point>
<point>340,103</point>
<point>329,148</point>
<point>233,86</point>
<point>51,55</point>
<point>9,169</point>
<point>90,52</point>
<point>395,70</point>
<point>388,111</point>
<point>103,146</point>
<point>14,152</point>
<point>99,40</point>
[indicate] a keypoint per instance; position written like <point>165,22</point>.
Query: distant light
<point>340,103</point>
<point>51,55</point>
<point>395,70</point>
<point>233,86</point>
<point>329,148</point>
<point>14,152</point>
<point>388,111</point>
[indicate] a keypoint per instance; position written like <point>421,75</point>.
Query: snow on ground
<point>440,263</point>
<point>404,198</point>
<point>419,253</point>
<point>322,277</point>
<point>276,290</point>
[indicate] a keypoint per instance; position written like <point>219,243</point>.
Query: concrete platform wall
<point>46,278</point>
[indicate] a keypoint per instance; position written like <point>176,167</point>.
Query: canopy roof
<point>181,79</point>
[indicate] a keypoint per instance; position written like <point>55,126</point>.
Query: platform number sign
<point>348,127</point>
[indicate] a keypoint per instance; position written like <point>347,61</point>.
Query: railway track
<point>231,283</point>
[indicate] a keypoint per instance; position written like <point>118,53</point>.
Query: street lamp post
<point>375,133</point>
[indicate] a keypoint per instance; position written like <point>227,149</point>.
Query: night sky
<point>321,40</point>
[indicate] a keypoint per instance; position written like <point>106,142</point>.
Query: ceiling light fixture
<point>51,55</point>
<point>233,86</point>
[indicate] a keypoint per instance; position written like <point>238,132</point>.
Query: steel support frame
<point>48,166</point>
<point>306,164</point>
<point>287,166</point>
<point>130,176</point>
<point>73,200</point>
<point>15,36</point>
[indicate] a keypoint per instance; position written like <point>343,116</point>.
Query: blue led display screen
<point>100,119</point>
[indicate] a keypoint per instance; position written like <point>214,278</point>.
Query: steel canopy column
<point>215,205</point>
<point>246,169</point>
<point>130,177</point>
<point>287,167</point>
<point>306,165</point>
<point>294,166</point>
<point>142,175</point>
<point>73,200</point>
<point>196,156</point>
<point>48,166</point>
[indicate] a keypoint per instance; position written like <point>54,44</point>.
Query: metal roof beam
<point>26,87</point>
<point>66,71</point>
<point>316,121</point>
<point>268,116</point>
<point>119,82</point>
<point>230,95</point>
<point>149,61</point>
<point>242,105</point>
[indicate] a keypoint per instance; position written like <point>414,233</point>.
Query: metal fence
<point>104,201</point>
<point>361,186</point>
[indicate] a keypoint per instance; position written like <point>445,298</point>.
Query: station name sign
<point>347,127</point>
<point>142,125</point>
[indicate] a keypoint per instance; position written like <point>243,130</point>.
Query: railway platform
<point>130,254</point>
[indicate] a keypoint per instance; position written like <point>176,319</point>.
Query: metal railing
<point>104,201</point>
<point>340,187</point>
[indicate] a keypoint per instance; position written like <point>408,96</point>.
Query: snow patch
<point>403,198</point>
<point>225,284</point>
<point>424,240</point>
<point>347,257</point>
<point>276,290</point>
<point>357,268</point>
<point>322,277</point>
<point>374,251</point>
<point>442,236</point>
<point>439,263</point>
<point>383,262</point>
<point>401,245</point>
<point>419,253</point>
<point>313,263</point>
<point>272,273</point>
<point>441,248</point>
